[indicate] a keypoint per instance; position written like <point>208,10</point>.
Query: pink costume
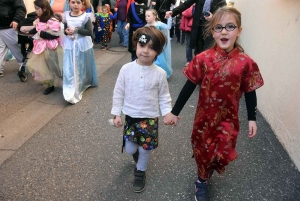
<point>45,61</point>
<point>41,44</point>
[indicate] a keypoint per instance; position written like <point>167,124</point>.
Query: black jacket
<point>11,10</point>
<point>197,14</point>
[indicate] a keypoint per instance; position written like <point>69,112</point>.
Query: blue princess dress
<point>164,58</point>
<point>79,67</point>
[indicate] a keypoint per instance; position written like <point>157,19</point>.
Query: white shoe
<point>187,63</point>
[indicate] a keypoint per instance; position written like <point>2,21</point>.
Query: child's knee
<point>130,147</point>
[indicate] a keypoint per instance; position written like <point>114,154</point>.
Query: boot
<point>139,181</point>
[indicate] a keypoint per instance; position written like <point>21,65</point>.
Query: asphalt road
<point>75,155</point>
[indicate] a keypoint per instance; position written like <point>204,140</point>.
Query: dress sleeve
<point>252,78</point>
<point>195,70</point>
<point>87,30</point>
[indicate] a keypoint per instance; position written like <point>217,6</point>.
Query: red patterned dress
<point>222,78</point>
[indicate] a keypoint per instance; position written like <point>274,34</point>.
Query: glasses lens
<point>218,28</point>
<point>230,27</point>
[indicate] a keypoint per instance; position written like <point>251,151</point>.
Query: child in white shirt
<point>140,91</point>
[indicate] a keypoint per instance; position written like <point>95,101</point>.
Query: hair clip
<point>144,38</point>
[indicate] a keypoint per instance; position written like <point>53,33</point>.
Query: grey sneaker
<point>139,181</point>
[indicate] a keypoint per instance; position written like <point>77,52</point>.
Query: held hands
<point>208,18</point>
<point>168,14</point>
<point>171,119</point>
<point>252,129</point>
<point>118,122</point>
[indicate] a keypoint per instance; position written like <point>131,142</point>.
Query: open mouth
<point>224,40</point>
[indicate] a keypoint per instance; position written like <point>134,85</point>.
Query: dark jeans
<point>188,51</point>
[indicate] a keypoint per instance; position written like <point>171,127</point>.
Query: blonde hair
<point>87,3</point>
<point>154,12</point>
<point>218,15</point>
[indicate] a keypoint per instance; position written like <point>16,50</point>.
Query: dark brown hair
<point>157,37</point>
<point>47,11</point>
<point>218,15</point>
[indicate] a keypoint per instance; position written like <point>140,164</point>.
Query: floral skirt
<point>142,131</point>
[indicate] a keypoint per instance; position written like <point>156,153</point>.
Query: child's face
<point>105,10</point>
<point>149,17</point>
<point>39,11</point>
<point>145,53</point>
<point>226,39</point>
<point>76,5</point>
<point>99,10</point>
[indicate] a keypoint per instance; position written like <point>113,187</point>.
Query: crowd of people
<point>63,51</point>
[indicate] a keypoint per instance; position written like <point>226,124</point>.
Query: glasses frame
<point>225,27</point>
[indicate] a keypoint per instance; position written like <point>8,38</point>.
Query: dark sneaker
<point>1,74</point>
<point>139,181</point>
<point>201,191</point>
<point>48,90</point>
<point>136,156</point>
<point>120,43</point>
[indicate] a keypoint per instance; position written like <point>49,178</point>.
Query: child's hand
<point>171,119</point>
<point>118,121</point>
<point>252,129</point>
<point>69,31</point>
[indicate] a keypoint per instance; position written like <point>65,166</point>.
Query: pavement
<point>51,150</point>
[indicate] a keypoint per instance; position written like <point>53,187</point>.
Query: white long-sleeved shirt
<point>140,92</point>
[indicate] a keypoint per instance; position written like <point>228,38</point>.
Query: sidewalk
<point>76,155</point>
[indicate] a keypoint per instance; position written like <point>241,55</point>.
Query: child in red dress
<point>224,72</point>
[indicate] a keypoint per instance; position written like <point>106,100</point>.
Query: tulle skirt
<point>46,67</point>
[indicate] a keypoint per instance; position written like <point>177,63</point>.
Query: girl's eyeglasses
<point>229,27</point>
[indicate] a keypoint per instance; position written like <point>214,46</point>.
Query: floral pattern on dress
<point>143,133</point>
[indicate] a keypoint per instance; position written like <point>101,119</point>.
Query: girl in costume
<point>45,62</point>
<point>141,110</point>
<point>164,59</point>
<point>79,63</point>
<point>224,72</point>
<point>135,20</point>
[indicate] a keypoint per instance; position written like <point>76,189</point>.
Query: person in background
<point>224,73</point>
<point>59,6</point>
<point>186,28</point>
<point>203,12</point>
<point>88,8</point>
<point>106,18</point>
<point>142,110</point>
<point>136,19</point>
<point>121,8</point>
<point>45,63</point>
<point>98,25</point>
<point>12,12</point>
<point>79,65</point>
<point>162,6</point>
<point>163,60</point>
